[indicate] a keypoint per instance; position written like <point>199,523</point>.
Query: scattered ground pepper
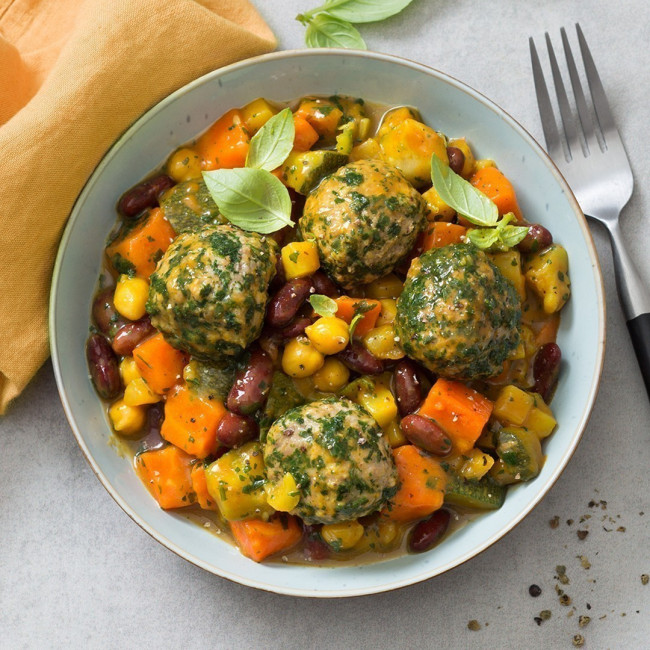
<point>545,614</point>
<point>565,600</point>
<point>555,522</point>
<point>582,534</point>
<point>561,574</point>
<point>583,620</point>
<point>569,522</point>
<point>621,529</point>
<point>645,578</point>
<point>586,564</point>
<point>534,590</point>
<point>578,640</point>
<point>474,625</point>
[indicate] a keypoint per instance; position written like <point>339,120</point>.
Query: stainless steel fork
<point>590,154</point>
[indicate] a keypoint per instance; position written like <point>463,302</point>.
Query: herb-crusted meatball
<point>338,457</point>
<point>209,291</point>
<point>457,314</point>
<point>364,219</point>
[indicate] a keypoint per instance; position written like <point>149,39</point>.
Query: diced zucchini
<point>303,170</point>
<point>207,378</point>
<point>481,495</point>
<point>282,397</point>
<point>520,453</point>
<point>345,139</point>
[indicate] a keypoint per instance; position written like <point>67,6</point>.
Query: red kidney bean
<point>428,532</point>
<point>270,341</point>
<point>456,159</point>
<point>287,301</point>
<point>105,315</point>
<point>546,369</point>
<point>536,239</point>
<point>131,335</point>
<point>279,278</point>
<point>358,359</point>
<point>234,430</point>
<point>152,438</point>
<point>324,286</point>
<point>103,366</point>
<point>426,434</point>
<point>314,548</point>
<point>408,389</point>
<point>252,384</point>
<point>295,328</point>
<point>144,195</point>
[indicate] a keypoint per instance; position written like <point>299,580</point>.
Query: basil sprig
<point>331,24</point>
<point>501,237</point>
<point>323,305</point>
<point>250,197</point>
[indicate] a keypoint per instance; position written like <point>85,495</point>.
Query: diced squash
<point>440,234</point>
<point>540,423</point>
<point>322,114</point>
<point>305,136</point>
<point>388,312</point>
<point>383,343</point>
<point>299,259</point>
<point>159,364</point>
<point>200,487</point>
<point>283,496</point>
<point>236,482</point>
<point>409,146</point>
<point>342,535</point>
<point>191,421</point>
<point>547,272</point>
<point>396,116</point>
<point>513,405</point>
<point>138,393</point>
<point>348,308</point>
<point>422,485</point>
<point>166,473</point>
<point>137,248</point>
<point>225,144</point>
<point>394,434</point>
<point>256,114</point>
<point>462,412</point>
<point>303,170</point>
<point>346,137</point>
<point>377,400</point>
<point>258,539</point>
<point>492,182</point>
<point>509,263</point>
<point>477,465</point>
<point>437,209</point>
<point>367,150</point>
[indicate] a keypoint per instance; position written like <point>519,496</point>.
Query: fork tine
<point>603,112</point>
<point>549,125</point>
<point>581,104</point>
<point>568,122</point>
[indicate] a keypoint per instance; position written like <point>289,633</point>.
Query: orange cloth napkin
<point>74,74</point>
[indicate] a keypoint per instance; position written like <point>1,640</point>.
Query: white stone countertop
<point>76,572</point>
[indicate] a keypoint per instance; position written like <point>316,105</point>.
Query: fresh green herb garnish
<point>330,25</point>
<point>500,238</point>
<point>323,305</point>
<point>271,145</point>
<point>462,196</point>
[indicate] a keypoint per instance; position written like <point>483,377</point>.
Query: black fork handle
<point>639,329</point>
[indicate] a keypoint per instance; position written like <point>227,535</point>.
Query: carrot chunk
<point>305,134</point>
<point>138,249</point>
<point>441,233</point>
<point>191,421</point>
<point>462,412</point>
<point>200,487</point>
<point>498,188</point>
<point>348,308</point>
<point>422,485</point>
<point>322,115</point>
<point>257,539</point>
<point>166,474</point>
<point>225,144</point>
<point>159,364</point>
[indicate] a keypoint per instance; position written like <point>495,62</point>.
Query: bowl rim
<point>503,115</point>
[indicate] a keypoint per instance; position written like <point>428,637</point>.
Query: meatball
<point>457,314</point>
<point>364,219</point>
<point>338,457</point>
<point>209,290</point>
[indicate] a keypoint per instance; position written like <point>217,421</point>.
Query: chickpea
<point>126,419</point>
<point>130,297</point>
<point>329,334</point>
<point>332,376</point>
<point>184,165</point>
<point>301,358</point>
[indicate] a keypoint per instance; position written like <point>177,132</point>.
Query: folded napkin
<point>74,74</point>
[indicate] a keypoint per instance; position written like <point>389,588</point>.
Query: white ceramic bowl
<point>447,105</point>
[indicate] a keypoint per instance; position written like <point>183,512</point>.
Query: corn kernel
<point>468,165</point>
<point>300,358</point>
<point>256,114</point>
<point>184,165</point>
<point>300,258</point>
<point>329,334</point>
<point>342,536</point>
<point>138,393</point>
<point>390,286</point>
<point>128,370</point>
<point>477,465</point>
<point>379,402</point>
<point>126,419</point>
<point>388,312</point>
<point>130,297</point>
<point>331,377</point>
<point>394,434</point>
<point>513,405</point>
<point>284,496</point>
<point>437,209</point>
<point>383,343</point>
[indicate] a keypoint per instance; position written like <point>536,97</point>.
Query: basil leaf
<point>462,196</point>
<point>483,238</point>
<point>326,31</point>
<point>364,11</point>
<point>353,324</point>
<point>501,237</point>
<point>252,199</point>
<point>510,236</point>
<point>271,145</point>
<point>323,305</point>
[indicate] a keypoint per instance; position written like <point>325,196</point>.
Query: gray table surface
<point>75,570</point>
